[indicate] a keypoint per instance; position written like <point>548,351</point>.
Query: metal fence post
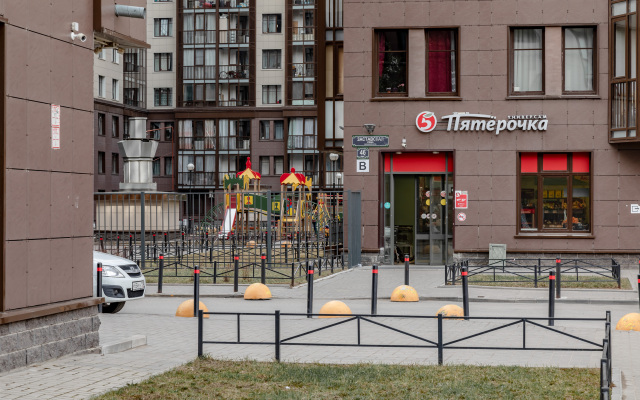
<point>143,246</point>
<point>99,284</point>
<point>196,290</point>
<point>465,292</point>
<point>235,273</point>
<point>263,269</point>
<point>215,271</point>
<point>277,341</point>
<point>552,300</point>
<point>374,290</point>
<point>200,320</point>
<point>309,290</point>
<point>558,277</point>
<point>293,278</point>
<point>269,239</point>
<point>440,341</point>
<point>160,272</point>
<point>406,269</point>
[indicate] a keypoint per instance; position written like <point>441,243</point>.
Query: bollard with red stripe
<point>196,290</point>
<point>309,289</point>
<point>236,261</point>
<point>465,292</point>
<point>558,277</point>
<point>263,269</point>
<point>552,300</point>
<point>639,289</point>
<point>160,272</point>
<point>99,284</point>
<point>374,290</point>
<point>406,269</point>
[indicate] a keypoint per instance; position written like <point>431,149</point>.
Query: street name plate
<point>370,141</point>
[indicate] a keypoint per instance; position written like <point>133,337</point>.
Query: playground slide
<point>229,222</point>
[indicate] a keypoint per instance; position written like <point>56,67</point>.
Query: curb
<point>117,347</point>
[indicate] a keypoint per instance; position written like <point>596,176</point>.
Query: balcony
<point>199,72</point>
<point>303,70</point>
<point>195,178</point>
<point>211,4</point>
<point>302,142</point>
<point>234,36</point>
<point>233,72</point>
<point>199,37</point>
<point>305,34</point>
<point>196,143</point>
<point>235,143</point>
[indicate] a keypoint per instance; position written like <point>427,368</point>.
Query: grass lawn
<point>214,379</point>
<point>597,282</point>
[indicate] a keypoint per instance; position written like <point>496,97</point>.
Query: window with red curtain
<point>442,50</point>
<point>391,58</point>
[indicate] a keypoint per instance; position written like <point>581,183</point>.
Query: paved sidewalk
<point>171,341</point>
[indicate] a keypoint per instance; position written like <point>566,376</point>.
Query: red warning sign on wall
<point>462,199</point>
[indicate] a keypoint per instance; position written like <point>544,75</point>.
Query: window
<point>555,192</point>
<point>102,87</point>
<point>168,166</point>
<point>115,163</point>
<point>623,71</point>
<point>115,126</point>
<point>278,165</point>
<point>101,162</point>
<point>271,23</point>
<point>125,131</point>
<point>115,89</point>
<point>271,94</point>
<point>391,62</point>
<point>101,120</point>
<point>527,59</point>
<point>131,62</point>
<point>264,130</point>
<point>442,61</point>
<point>168,131</point>
<point>162,62</point>
<point>278,130</point>
<point>162,96</point>
<point>155,131</point>
<point>156,167</point>
<point>271,59</point>
<point>162,27</point>
<point>116,56</point>
<point>579,60</point>
<point>102,55</point>
<point>264,165</point>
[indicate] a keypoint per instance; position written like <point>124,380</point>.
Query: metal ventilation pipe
<point>130,11</point>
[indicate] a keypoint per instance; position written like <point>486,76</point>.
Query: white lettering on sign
<point>362,165</point>
<point>461,122</point>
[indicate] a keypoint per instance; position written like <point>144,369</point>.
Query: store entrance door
<point>423,223</point>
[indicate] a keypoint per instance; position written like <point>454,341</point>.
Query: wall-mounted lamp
<point>370,128</point>
<point>404,143</point>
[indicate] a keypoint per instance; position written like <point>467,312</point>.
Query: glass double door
<point>423,217</point>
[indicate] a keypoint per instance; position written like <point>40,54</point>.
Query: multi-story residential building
<point>507,122</point>
<point>229,80</point>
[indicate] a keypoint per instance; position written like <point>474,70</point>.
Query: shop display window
<point>554,193</point>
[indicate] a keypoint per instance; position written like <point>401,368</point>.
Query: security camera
<point>79,35</point>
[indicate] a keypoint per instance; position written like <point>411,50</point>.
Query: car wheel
<point>112,308</point>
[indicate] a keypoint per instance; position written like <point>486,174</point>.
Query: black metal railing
<point>438,340</point>
<point>535,270</point>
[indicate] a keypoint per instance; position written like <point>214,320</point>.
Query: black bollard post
<point>263,269</point>
<point>286,253</point>
<point>465,292</point>
<point>309,290</point>
<point>558,277</point>
<point>118,244</point>
<point>374,290</point>
<point>406,269</point>
<point>215,271</point>
<point>235,273</point>
<point>155,249</point>
<point>293,273</point>
<point>552,300</point>
<point>99,284</point>
<point>200,316</point>
<point>160,272</point>
<point>638,288</point>
<point>277,341</point>
<point>196,290</point>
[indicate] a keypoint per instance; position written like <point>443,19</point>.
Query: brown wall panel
<point>38,272</point>
<point>15,265</point>
<point>16,204</point>
<point>82,267</point>
<point>61,280</point>
<point>16,133</point>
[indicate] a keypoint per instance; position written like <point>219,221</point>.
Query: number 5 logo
<point>426,121</point>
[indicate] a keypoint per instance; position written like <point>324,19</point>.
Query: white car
<point>122,281</point>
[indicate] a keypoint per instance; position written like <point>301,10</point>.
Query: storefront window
<point>555,192</point>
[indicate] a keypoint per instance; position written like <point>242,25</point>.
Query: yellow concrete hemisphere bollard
<point>334,307</point>
<point>451,310</point>
<point>186,309</point>
<point>257,291</point>
<point>404,293</point>
<point>630,322</point>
